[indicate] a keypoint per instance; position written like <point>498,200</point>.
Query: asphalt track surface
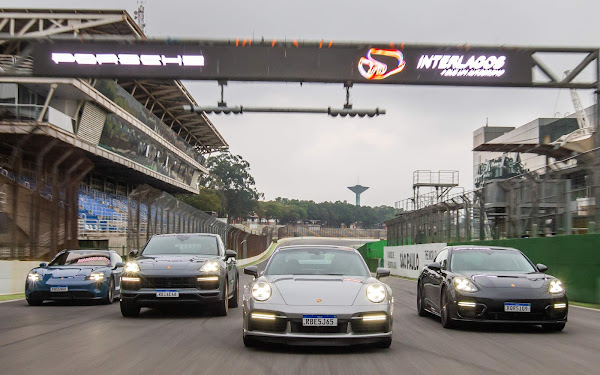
<point>60,338</point>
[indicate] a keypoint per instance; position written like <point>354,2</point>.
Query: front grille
<point>360,326</point>
<point>516,316</point>
<point>168,282</point>
<point>297,327</point>
<point>75,294</point>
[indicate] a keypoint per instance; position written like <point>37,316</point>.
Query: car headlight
<point>556,286</point>
<point>210,266</point>
<point>33,277</point>
<point>376,293</point>
<point>96,276</point>
<point>464,285</point>
<point>132,267</point>
<point>261,291</point>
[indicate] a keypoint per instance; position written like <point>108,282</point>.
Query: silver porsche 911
<point>317,295</point>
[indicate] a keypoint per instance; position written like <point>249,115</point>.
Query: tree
<point>230,175</point>
<point>206,199</point>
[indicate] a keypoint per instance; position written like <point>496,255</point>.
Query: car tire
<point>250,342</point>
<point>384,343</point>
<point>129,310</point>
<point>223,304</point>
<point>553,327</point>
<point>233,301</point>
<point>420,303</point>
<point>445,315</point>
<point>34,301</point>
<point>110,293</point>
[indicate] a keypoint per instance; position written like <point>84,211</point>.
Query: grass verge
<point>9,297</point>
<point>583,304</point>
<point>268,254</point>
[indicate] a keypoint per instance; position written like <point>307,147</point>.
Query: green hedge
<point>574,259</point>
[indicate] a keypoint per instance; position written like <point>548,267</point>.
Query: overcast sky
<point>315,157</point>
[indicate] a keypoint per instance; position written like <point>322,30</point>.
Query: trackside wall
<point>574,259</point>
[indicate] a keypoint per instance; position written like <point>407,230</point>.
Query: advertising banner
<point>346,63</point>
<point>408,261</point>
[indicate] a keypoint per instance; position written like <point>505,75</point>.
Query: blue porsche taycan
<point>76,274</point>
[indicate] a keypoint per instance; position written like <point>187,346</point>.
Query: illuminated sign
<point>474,66</point>
<point>126,59</point>
<point>377,69</point>
<point>294,62</point>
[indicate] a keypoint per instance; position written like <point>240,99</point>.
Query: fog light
<point>560,305</point>
<point>467,304</point>
<point>262,316</point>
<point>130,279</point>
<point>374,318</point>
<point>209,278</point>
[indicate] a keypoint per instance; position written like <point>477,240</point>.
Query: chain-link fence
<point>528,205</point>
<point>317,231</point>
<point>151,211</point>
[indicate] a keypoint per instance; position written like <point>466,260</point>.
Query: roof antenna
<point>486,122</point>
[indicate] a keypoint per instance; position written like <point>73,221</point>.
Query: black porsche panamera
<point>490,284</point>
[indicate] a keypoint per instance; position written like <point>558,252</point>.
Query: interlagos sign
<point>462,66</point>
<point>408,261</point>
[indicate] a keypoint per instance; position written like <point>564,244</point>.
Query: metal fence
<point>317,231</point>
<point>151,211</point>
<point>525,206</point>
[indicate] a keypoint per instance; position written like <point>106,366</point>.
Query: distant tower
<point>140,15</point>
<point>358,190</point>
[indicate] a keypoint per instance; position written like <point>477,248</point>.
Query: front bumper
<point>77,289</point>
<point>287,327</point>
<point>146,297</point>
<point>490,309</point>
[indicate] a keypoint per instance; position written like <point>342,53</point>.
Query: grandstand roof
<point>164,98</point>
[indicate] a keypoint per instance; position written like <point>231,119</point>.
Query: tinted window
<point>81,258</point>
<point>317,262</point>
<point>194,245</point>
<point>490,260</point>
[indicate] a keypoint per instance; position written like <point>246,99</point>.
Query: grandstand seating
<point>102,212</point>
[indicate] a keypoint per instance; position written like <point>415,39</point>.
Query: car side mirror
<point>541,267</point>
<point>43,264</point>
<point>435,266</point>
<point>230,254</point>
<point>132,254</point>
<point>251,270</point>
<point>119,265</point>
<point>382,272</point>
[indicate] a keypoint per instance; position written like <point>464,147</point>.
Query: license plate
<point>59,288</point>
<point>167,293</point>
<point>319,320</point>
<point>517,307</point>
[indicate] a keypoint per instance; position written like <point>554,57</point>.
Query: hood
<point>305,290</point>
<point>70,271</point>
<point>509,279</point>
<point>172,262</point>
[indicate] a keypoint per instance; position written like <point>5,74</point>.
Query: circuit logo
<point>372,69</point>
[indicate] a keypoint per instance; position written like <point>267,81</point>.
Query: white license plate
<point>167,293</point>
<point>59,288</point>
<point>319,320</point>
<point>517,307</point>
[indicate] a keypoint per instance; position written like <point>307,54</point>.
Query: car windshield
<point>319,261</point>
<point>81,258</point>
<point>490,260</point>
<point>180,245</point>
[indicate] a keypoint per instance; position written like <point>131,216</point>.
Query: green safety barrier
<point>372,252</point>
<point>573,259</point>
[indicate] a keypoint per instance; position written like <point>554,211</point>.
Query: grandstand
<point>73,152</point>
